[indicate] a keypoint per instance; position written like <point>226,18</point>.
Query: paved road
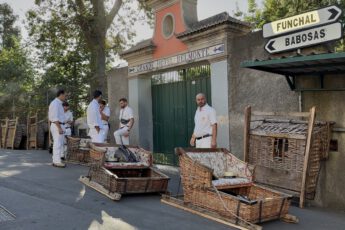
<point>44,197</point>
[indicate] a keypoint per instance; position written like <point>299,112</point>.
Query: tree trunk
<point>98,53</point>
<point>98,79</point>
<point>95,30</point>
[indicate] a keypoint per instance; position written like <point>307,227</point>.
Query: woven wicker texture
<point>125,178</point>
<point>197,174</point>
<point>77,153</point>
<point>126,181</point>
<point>280,145</point>
<point>99,153</point>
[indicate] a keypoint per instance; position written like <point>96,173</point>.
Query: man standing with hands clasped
<point>205,130</point>
<point>94,120</point>
<point>56,117</point>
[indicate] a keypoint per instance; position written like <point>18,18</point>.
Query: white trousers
<point>58,143</point>
<point>95,136</point>
<point>68,132</point>
<point>105,131</point>
<point>203,143</point>
<point>120,138</point>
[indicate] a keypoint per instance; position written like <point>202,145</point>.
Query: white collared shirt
<point>125,113</point>
<point>68,117</point>
<point>204,118</point>
<point>93,115</point>
<point>56,112</point>
<point>106,111</point>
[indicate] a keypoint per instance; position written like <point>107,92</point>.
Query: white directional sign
<point>305,38</point>
<point>302,21</point>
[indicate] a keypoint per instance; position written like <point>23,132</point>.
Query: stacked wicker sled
<point>287,150</point>
<point>116,178</point>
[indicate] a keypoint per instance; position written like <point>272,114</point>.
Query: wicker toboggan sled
<point>114,179</point>
<point>221,185</point>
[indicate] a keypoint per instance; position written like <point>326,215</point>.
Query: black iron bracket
<point>322,81</point>
<point>291,81</point>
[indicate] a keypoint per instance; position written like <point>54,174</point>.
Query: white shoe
<point>59,165</point>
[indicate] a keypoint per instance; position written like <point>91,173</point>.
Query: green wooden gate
<point>173,102</point>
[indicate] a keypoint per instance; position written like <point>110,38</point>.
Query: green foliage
<point>61,54</point>
<point>16,71</point>
<point>78,40</point>
<point>8,32</point>
<point>100,30</point>
<point>254,14</point>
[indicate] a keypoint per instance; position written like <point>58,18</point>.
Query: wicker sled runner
<point>117,178</point>
<point>217,181</point>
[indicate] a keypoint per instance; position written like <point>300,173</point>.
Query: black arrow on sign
<point>270,45</point>
<point>334,13</point>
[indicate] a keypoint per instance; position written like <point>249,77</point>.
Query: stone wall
<point>117,88</point>
<point>330,106</point>
<point>263,91</point>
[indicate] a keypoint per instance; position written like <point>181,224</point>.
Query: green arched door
<point>173,103</point>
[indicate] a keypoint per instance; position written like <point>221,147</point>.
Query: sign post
<point>307,20</point>
<point>303,30</point>
<point>305,38</point>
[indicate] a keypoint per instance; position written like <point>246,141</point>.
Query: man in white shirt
<point>126,123</point>
<point>68,119</point>
<point>68,126</point>
<point>94,120</point>
<point>205,130</point>
<point>105,114</point>
<point>57,128</point>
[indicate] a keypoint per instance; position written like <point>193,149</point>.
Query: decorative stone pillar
<point>219,94</point>
<point>140,100</point>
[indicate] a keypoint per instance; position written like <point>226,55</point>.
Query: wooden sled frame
<point>4,130</point>
<point>11,133</point>
<point>32,125</point>
<point>77,163</point>
<point>113,196</point>
<point>311,120</point>
<point>177,202</point>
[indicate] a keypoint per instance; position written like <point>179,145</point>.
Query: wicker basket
<point>270,205</point>
<point>125,178</point>
<point>200,172</point>
<point>97,157</point>
<point>127,181</point>
<point>277,147</point>
<point>75,153</point>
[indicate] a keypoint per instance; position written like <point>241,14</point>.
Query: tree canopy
<point>77,41</point>
<point>16,70</point>
<point>9,33</point>
<point>100,29</point>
